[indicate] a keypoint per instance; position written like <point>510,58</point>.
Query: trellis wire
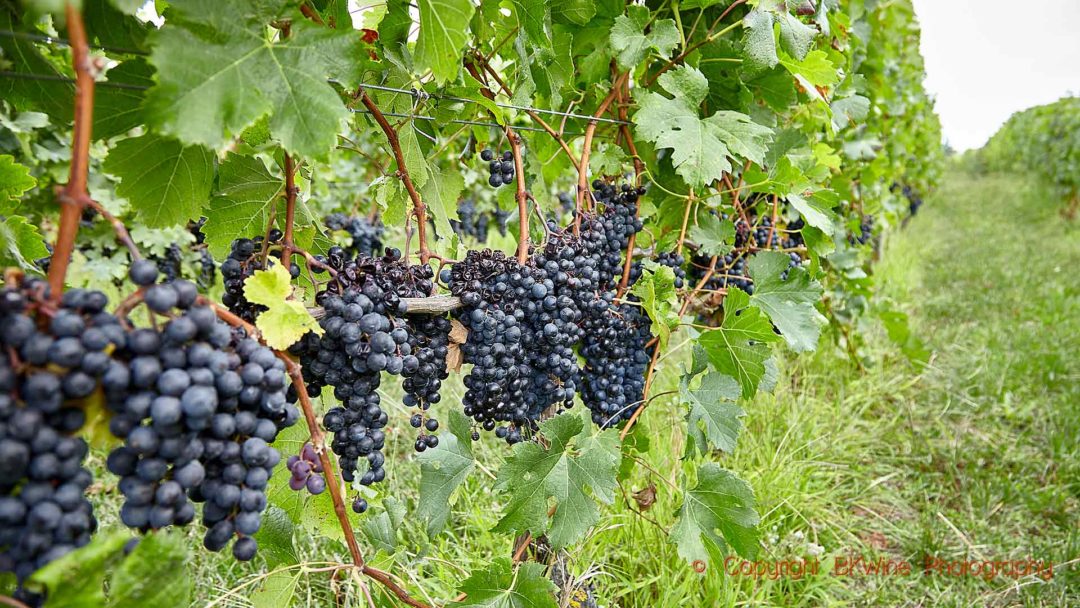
<point>418,94</point>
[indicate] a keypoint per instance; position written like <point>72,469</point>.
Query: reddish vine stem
<point>74,195</point>
<point>586,148</point>
<point>287,247</point>
<point>522,195</point>
<point>318,441</point>
<point>639,170</point>
<point>534,116</point>
<point>10,601</point>
<point>402,171</point>
<point>685,222</point>
<point>118,227</point>
<point>775,216</point>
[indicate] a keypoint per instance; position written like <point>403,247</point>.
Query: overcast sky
<point>986,59</point>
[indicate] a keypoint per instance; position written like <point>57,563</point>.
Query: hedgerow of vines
<point>229,231</point>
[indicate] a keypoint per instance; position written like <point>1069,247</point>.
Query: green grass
<point>974,457</point>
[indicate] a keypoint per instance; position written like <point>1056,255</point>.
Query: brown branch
<point>522,195</point>
<point>10,601</point>
<point>775,216</point>
<point>118,227</point>
<point>402,171</point>
<point>586,148</point>
<point>287,246</point>
<point>74,195</point>
<point>318,441</point>
<point>685,222</point>
<point>639,169</point>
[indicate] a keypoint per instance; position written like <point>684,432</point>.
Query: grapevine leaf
<point>440,195</point>
<point>608,159</point>
<point>444,31</point>
<point>656,290</point>
<point>381,529</point>
<point>165,182</point>
<point>700,148</point>
<point>275,538</point>
<point>118,110</point>
<point>896,324</point>
<point>795,36</point>
<point>630,42</point>
<point>127,6</point>
<point>759,44</point>
<point>575,461</point>
<point>713,235</point>
<point>218,73</point>
<point>15,179</point>
<point>77,579</point>
<point>719,502</point>
<point>578,12</point>
<point>246,193</point>
<point>442,470</point>
<point>20,243</point>
<point>740,345</point>
<point>277,590</point>
<point>535,19</point>
<point>284,321</point>
<point>714,415</point>
<point>500,586</point>
<point>815,212</point>
<point>788,302</point>
<point>815,68</point>
<point>45,89</point>
<point>849,111</point>
<point>153,574</point>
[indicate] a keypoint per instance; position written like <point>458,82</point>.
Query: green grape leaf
<point>576,460</point>
<point>788,302</point>
<point>740,345</point>
<point>77,580</point>
<point>714,416</point>
<point>277,590</point>
<point>719,502</point>
<point>713,235</point>
<point>442,471</point>
<point>656,290</point>
<point>118,110</point>
<point>815,68</point>
<point>440,195</point>
<point>20,243</point>
<point>166,183</point>
<point>15,179</point>
<point>759,42</point>
<point>701,148</point>
<point>275,538</point>
<point>630,42</point>
<point>218,73</point>
<point>578,12</point>
<point>608,159</point>
<point>815,212</point>
<point>848,111</point>
<point>501,586</point>
<point>284,321</point>
<point>444,31</point>
<point>128,7</point>
<point>44,89</point>
<point>241,206</point>
<point>796,37</point>
<point>535,19</point>
<point>381,528</point>
<point>153,574</point>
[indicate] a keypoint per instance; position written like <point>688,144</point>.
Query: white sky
<point>986,59</point>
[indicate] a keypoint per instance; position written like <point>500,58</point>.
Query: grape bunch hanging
<point>500,169</point>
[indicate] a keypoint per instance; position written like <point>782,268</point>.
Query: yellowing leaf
<point>285,321</point>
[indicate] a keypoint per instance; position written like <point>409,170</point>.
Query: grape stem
<point>639,169</point>
<point>319,443</point>
<point>287,246</point>
<point>73,196</point>
<point>586,148</point>
<point>419,209</point>
<point>10,601</point>
<point>118,227</point>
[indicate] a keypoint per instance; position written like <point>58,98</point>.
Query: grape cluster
<point>245,257</point>
<point>500,170</point>
<point>366,234</point>
<point>365,334</point>
<point>675,261</point>
<point>307,471</point>
<point>197,404</point>
<point>50,359</point>
<point>424,371</point>
<point>172,263</point>
<point>474,223</point>
<point>606,235</point>
<point>759,234</point>
<point>866,231</point>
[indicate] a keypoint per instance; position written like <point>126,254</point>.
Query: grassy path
<point>975,458</point>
